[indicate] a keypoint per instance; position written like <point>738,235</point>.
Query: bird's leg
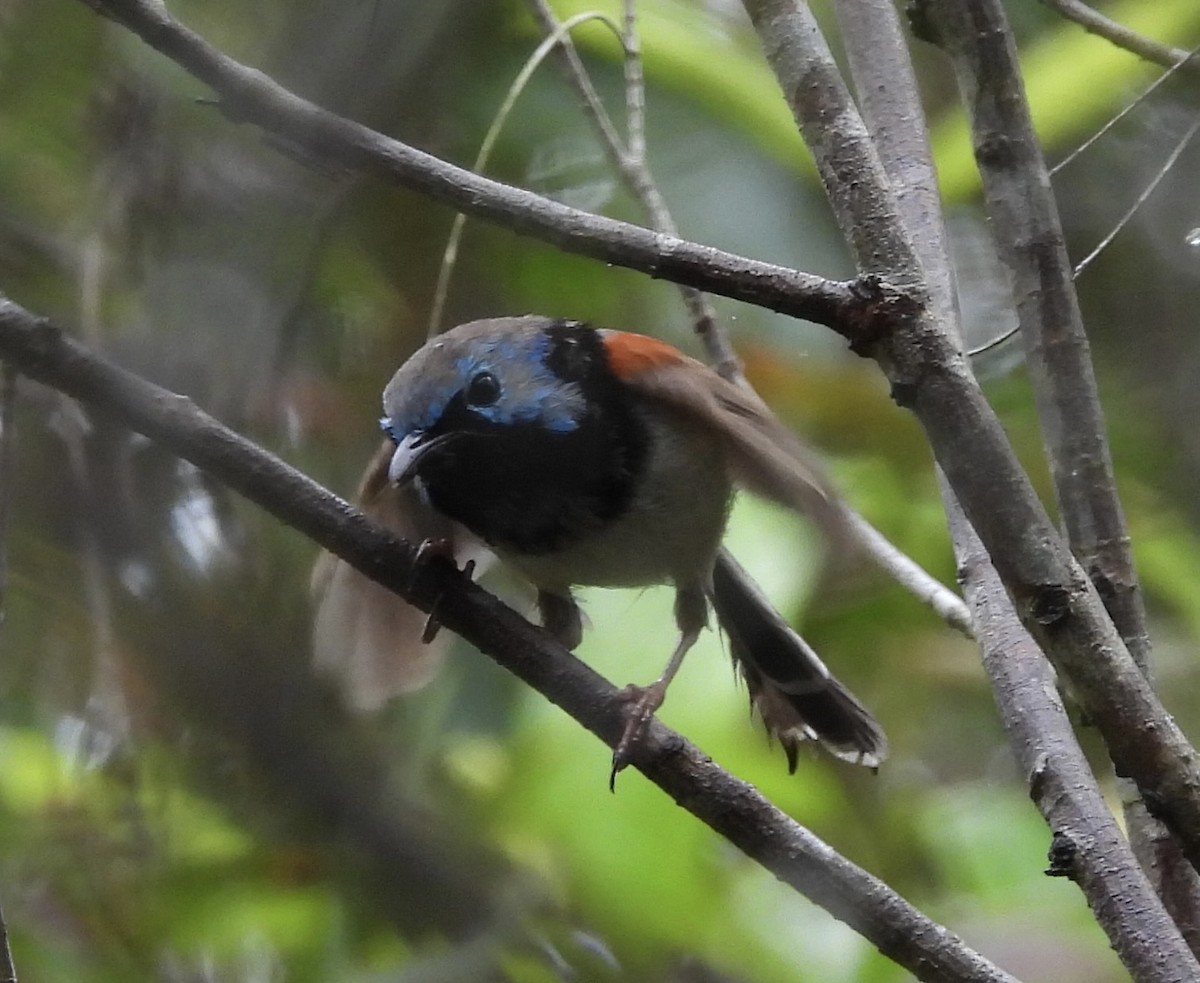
<point>691,615</point>
<point>560,616</point>
<point>428,549</point>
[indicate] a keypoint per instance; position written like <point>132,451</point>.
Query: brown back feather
<point>766,457</point>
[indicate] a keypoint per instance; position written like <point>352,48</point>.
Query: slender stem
<point>631,163</point>
<point>8,969</point>
<point>1143,196</point>
<point>635,87</point>
<point>555,38</point>
<point>1096,23</point>
<point>1145,94</point>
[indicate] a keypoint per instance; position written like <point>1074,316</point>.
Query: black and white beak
<point>408,455</point>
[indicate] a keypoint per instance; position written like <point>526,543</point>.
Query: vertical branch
<point>8,403</point>
<point>1061,782</point>
<point>1088,845</point>
<point>8,969</point>
<point>890,104</point>
<point>1029,239</point>
<point>863,200</point>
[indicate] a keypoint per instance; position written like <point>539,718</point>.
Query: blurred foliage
<point>181,800</point>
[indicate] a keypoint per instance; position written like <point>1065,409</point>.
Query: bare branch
<point>1096,23</point>
<point>8,403</point>
<point>8,970</point>
<point>731,807</point>
<point>1030,242</point>
<point>863,200</point>
<point>1089,847</point>
<point>890,103</point>
<point>249,96</point>
<point>910,575</point>
<point>1072,805</point>
<point>928,372</point>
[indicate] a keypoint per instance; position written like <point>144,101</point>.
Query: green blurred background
<point>182,799</point>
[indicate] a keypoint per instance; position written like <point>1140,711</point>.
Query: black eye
<point>483,390</point>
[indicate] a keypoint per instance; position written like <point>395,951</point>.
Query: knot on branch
<point>1062,855</point>
<point>1050,604</point>
<point>996,150</point>
<point>879,309</point>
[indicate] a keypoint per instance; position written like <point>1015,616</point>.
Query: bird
<point>584,456</point>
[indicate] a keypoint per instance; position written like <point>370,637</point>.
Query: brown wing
<point>364,636</point>
<point>765,456</point>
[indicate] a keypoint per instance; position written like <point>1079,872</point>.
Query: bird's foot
<point>429,549</point>
<point>640,704</point>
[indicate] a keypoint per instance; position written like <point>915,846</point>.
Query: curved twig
<point>1094,22</point>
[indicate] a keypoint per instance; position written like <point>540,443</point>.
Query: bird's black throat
<point>526,488</point>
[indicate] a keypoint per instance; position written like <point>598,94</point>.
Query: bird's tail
<point>796,696</point>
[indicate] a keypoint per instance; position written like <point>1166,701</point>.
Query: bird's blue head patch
<point>495,371</point>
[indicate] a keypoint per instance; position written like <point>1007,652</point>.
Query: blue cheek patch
<point>542,398</point>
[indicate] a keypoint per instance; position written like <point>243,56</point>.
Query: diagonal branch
<point>247,95</point>
<point>921,356</point>
<point>1029,240</point>
<point>917,351</point>
<point>1089,847</point>
<point>1094,22</point>
<point>1062,783</point>
<point>731,807</point>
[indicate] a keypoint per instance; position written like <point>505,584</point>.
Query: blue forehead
<point>529,390</point>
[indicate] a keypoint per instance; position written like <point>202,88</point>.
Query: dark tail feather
<point>789,685</point>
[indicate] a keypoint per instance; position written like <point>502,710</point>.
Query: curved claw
<point>430,548</point>
<point>642,702</point>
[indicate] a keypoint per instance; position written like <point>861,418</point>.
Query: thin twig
<point>1145,94</point>
<point>1096,23</point>
<point>1139,201</point>
<point>631,164</point>
<point>1142,97</point>
<point>910,575</point>
<point>8,969</point>
<point>450,254</point>
<point>635,88</point>
<point>730,806</point>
